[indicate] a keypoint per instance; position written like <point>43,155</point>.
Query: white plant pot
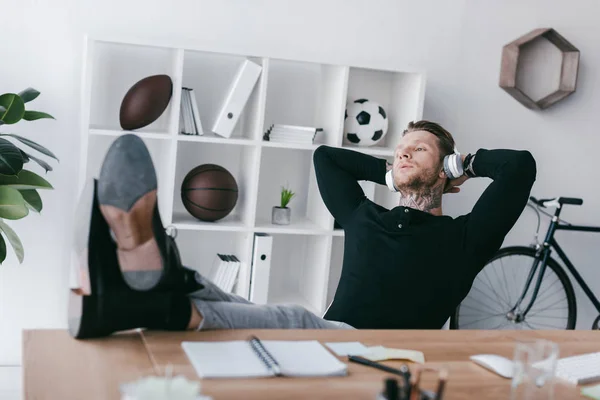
<point>281,215</point>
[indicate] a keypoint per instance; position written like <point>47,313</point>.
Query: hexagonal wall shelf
<point>511,64</point>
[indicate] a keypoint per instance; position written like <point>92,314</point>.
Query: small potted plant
<point>282,214</point>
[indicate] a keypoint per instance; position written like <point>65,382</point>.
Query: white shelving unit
<point>307,254</point>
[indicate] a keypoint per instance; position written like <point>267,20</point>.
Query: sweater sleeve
<point>338,172</point>
<point>497,210</point>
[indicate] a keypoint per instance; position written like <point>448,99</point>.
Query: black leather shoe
<point>127,193</point>
<point>103,303</point>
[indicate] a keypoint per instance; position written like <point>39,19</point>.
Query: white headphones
<point>453,167</point>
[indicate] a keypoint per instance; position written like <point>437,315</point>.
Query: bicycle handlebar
<point>556,201</point>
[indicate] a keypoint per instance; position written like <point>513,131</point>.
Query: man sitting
<point>404,268</point>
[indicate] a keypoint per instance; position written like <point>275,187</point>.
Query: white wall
<point>564,138</point>
<point>457,42</point>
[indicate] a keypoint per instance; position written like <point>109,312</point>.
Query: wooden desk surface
<point>55,366</point>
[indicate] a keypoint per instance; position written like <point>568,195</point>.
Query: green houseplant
<point>282,214</point>
<point>19,186</point>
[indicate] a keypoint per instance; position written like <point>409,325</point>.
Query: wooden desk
<point>55,366</point>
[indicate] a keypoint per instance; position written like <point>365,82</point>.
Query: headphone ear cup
<point>447,170</point>
<point>453,166</point>
<point>389,181</point>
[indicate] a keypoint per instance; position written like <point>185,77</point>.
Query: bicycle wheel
<point>498,286</point>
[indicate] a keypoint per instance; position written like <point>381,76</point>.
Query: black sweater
<point>408,269</point>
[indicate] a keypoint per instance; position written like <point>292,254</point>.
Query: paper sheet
<point>592,392</point>
<point>347,348</point>
<point>380,353</point>
<point>375,353</point>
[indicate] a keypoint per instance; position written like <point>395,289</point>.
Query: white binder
<point>237,97</point>
<point>261,268</point>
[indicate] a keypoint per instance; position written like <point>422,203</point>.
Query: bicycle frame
<point>542,254</point>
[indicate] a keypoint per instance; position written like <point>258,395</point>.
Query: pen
<point>391,389</point>
<point>406,384</point>
<point>441,384</point>
<point>415,391</point>
<point>367,362</point>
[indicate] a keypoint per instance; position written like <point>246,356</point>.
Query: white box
<point>237,97</point>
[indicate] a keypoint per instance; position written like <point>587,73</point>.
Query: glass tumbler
<point>534,370</point>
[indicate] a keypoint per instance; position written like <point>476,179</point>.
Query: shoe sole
<point>127,194</point>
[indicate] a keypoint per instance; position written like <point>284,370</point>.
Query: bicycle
<point>502,296</point>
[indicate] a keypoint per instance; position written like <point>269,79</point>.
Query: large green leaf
<point>2,249</point>
<point>33,115</point>
<point>2,110</point>
<point>15,108</point>
<point>42,163</point>
<point>24,180</point>
<point>32,199</point>
<point>31,144</point>
<point>12,204</point>
<point>25,156</point>
<point>29,94</point>
<point>11,160</point>
<point>14,240</point>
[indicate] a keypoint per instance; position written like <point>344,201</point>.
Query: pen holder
<point>403,389</point>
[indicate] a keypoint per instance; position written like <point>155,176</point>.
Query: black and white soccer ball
<point>365,123</point>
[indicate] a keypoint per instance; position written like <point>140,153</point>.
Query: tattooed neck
<point>425,200</point>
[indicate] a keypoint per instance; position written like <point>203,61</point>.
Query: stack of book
<point>291,134</point>
<point>189,117</point>
<point>225,271</point>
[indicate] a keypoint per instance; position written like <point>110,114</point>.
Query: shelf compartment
<point>297,272</point>
<point>291,168</point>
<point>240,161</point>
<point>211,75</point>
<point>159,152</point>
<point>399,93</point>
<point>198,250</point>
<point>307,94</point>
<point>116,67</point>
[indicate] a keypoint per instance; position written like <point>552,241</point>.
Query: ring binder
<point>265,356</point>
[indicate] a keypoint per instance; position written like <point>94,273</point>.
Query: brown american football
<point>145,101</point>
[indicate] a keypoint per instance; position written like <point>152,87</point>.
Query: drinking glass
<point>534,370</point>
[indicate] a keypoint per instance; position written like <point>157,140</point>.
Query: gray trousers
<point>222,310</point>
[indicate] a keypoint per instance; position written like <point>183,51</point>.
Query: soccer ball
<point>365,123</point>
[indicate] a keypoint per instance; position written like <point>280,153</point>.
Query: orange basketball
<point>209,192</point>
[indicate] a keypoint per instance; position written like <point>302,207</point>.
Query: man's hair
<point>445,139</point>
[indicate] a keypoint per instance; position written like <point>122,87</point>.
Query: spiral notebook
<point>266,358</point>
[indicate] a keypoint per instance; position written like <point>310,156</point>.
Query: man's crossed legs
<point>130,268</point>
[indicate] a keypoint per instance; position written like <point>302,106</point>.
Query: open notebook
<point>237,359</point>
